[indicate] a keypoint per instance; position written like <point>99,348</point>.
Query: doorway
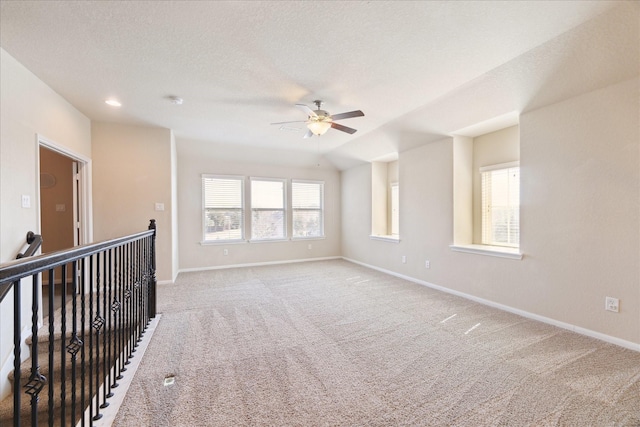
<point>61,211</point>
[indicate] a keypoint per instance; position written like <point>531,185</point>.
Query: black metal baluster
<point>105,275</point>
<point>154,281</point>
<point>52,297</point>
<point>115,308</point>
<point>145,284</point>
<point>75,343</point>
<point>134,301</point>
<point>63,339</point>
<point>17,343</point>
<point>147,275</point>
<point>139,306</point>
<point>52,379</point>
<point>129,300</point>
<point>83,337</point>
<point>108,316</point>
<point>98,322</point>
<point>92,390</point>
<point>147,310</point>
<point>120,296</point>
<point>36,380</point>
<point>147,293</point>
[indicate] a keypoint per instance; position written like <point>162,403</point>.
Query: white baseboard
<point>109,413</point>
<point>577,329</point>
<point>256,264</point>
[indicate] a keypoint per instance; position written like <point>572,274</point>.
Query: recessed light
<point>113,103</point>
<point>175,100</point>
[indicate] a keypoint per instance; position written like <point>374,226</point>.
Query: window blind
<point>501,206</point>
<point>222,208</point>
<point>268,209</point>
<point>307,199</point>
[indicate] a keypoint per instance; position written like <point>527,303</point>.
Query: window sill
<point>279,239</point>
<point>308,238</point>
<point>391,239</point>
<point>496,251</point>
<point>222,242</point>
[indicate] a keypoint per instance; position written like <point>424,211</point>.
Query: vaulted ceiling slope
<point>418,70</point>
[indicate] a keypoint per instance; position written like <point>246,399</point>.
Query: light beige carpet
<point>331,343</point>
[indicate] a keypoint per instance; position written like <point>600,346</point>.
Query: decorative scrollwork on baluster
<point>74,346</point>
<point>35,384</point>
<point>98,323</point>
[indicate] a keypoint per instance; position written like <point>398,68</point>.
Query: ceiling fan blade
<point>309,134</point>
<point>284,123</point>
<point>343,128</point>
<point>308,111</point>
<point>348,115</point>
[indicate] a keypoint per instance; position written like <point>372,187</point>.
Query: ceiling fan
<point>319,121</point>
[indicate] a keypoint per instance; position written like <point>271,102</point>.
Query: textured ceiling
<point>240,66</point>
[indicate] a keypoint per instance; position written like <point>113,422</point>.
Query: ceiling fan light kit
<point>318,127</point>
<point>319,121</point>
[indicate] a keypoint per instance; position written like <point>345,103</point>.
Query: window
<point>268,209</point>
<point>385,201</point>
<point>307,200</point>
<point>501,205</point>
<point>223,208</point>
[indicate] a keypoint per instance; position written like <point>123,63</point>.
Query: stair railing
<point>106,304</point>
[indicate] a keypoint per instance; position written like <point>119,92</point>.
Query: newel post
<point>152,285</point>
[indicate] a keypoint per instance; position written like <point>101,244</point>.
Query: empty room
<point>320,213</point>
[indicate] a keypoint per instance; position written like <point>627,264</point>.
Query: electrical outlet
<point>309,247</point>
<point>404,259</point>
<point>225,252</point>
<point>427,264</point>
<point>169,380</point>
<point>612,304</point>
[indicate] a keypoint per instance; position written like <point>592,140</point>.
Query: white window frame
<point>241,209</point>
<point>302,209</point>
<point>487,217</point>
<point>283,209</point>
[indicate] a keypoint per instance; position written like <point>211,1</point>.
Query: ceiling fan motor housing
<point>322,116</point>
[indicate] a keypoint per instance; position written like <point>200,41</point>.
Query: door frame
<point>83,205</point>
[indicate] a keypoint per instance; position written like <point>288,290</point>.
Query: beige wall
<point>175,258</point>
<point>131,173</point>
<point>28,107</point>
<point>197,158</point>
<point>580,172</point>
<point>580,218</point>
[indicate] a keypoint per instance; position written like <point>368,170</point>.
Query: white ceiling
<point>240,66</point>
